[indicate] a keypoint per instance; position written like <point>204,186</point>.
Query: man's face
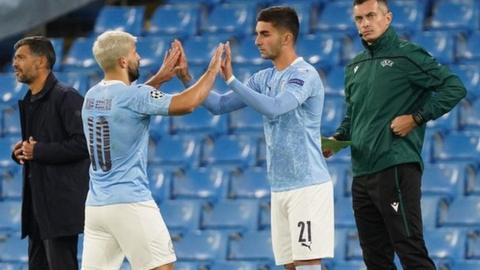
<point>26,64</point>
<point>268,40</point>
<point>133,64</point>
<point>372,19</point>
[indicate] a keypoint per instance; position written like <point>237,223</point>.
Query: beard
<point>23,78</point>
<point>133,73</point>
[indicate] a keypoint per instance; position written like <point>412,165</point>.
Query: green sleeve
<point>343,131</point>
<point>432,76</point>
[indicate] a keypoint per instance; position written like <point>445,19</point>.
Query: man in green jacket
<point>392,89</point>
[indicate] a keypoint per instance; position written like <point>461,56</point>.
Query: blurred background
<point>208,172</point>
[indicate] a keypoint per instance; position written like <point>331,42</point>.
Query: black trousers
<point>389,219</point>
<point>52,254</point>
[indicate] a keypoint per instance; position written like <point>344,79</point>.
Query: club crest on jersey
<point>387,62</point>
<point>156,94</point>
<point>296,81</point>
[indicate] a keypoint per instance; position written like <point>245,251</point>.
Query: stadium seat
<point>234,265</point>
<point>456,147</point>
<point>160,180</point>
<point>245,52</point>
<point>172,86</point>
<point>159,127</point>
<point>447,122</point>
<point>128,19</point>
<point>469,74</point>
<point>201,246</point>
<point>462,211</point>
<point>333,114</point>
<point>80,56</point>
<point>338,174</point>
<point>335,16</point>
<point>175,20</point>
<point>470,115</point>
<point>181,214</point>
<point>265,214</point>
<point>344,212</point>
<point>200,121</point>
<point>334,82</point>
<point>468,49</point>
<point>473,245</point>
<point>472,180</point>
<point>340,247</point>
<point>6,147</point>
<point>11,266</point>
<point>175,151</point>
<point>456,14</point>
<point>58,48</point>
<point>14,249</point>
<point>10,90</point>
<point>438,43</point>
<point>245,120</point>
<point>77,80</point>
<point>466,265</point>
<point>407,15</point>
<point>353,250</point>
<point>231,214</point>
<point>11,182</point>
<point>319,49</point>
<point>201,48</point>
<point>251,183</point>
<point>349,265</point>
<point>10,125</point>
<point>304,11</point>
<point>152,50</point>
<point>252,245</point>
<point>443,179</point>
<point>10,215</point>
<point>230,151</point>
<point>351,47</point>
<point>203,183</point>
<point>237,19</point>
<point>443,243</point>
<point>182,265</point>
<point>431,206</point>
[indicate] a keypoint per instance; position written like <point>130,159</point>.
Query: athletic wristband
<point>418,118</point>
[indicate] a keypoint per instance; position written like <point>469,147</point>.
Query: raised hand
<point>182,65</point>
<point>227,70</point>
<point>216,61</point>
<point>168,68</point>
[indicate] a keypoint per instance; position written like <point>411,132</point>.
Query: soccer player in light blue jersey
<point>290,97</point>
<point>121,218</point>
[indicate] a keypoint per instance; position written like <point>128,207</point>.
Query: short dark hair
<point>359,2</point>
<point>282,17</point>
<point>40,46</point>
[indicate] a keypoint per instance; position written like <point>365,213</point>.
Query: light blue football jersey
<point>294,155</point>
<point>116,120</point>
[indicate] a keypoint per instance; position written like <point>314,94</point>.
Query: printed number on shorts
<point>305,236</point>
<point>98,128</point>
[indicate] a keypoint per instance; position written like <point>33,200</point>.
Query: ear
<point>122,62</point>
<point>389,17</point>
<point>43,62</point>
<point>287,38</point>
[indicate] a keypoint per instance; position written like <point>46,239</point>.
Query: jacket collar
<point>383,42</point>
<point>50,82</point>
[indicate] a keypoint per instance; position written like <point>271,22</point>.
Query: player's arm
<point>169,66</point>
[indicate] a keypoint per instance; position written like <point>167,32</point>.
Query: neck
<point>37,85</point>
<point>117,75</point>
<point>285,59</point>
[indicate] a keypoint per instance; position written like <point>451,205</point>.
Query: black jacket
<point>55,182</point>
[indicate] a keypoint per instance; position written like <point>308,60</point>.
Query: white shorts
<point>303,223</point>
<point>133,230</point>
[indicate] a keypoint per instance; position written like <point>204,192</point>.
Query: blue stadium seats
<point>438,43</point>
<point>152,50</point>
<point>245,120</point>
<point>470,115</point>
<point>10,126</point>
<point>128,19</point>
<point>466,265</point>
<point>200,183</point>
<point>344,212</point>
<point>456,147</point>
<point>179,265</point>
<point>265,214</point>
<point>80,56</point>
<point>448,121</point>
<point>252,245</point>
<point>431,206</point>
<point>236,151</point>
<point>13,249</point>
<point>456,14</point>
<point>57,44</point>
<point>443,179</point>
<point>172,86</point>
<point>234,265</point>
<point>200,121</point>
<point>304,11</point>
<point>468,49</point>
<point>201,48</point>
<point>334,82</point>
<point>175,20</point>
<point>445,243</point>
<point>230,18</point>
<point>10,266</point>
<point>407,15</point>
<point>351,47</point>
<point>159,126</point>
<point>181,214</point>
<point>201,246</point>
<point>160,180</point>
<point>10,90</point>
<point>231,214</point>
<point>6,147</point>
<point>10,215</point>
<point>338,173</point>
<point>175,151</point>
<point>333,114</point>
<point>335,16</point>
<point>349,265</point>
<point>473,180</point>
<point>319,49</point>
<point>251,183</point>
<point>473,245</point>
<point>246,52</point>
<point>77,80</point>
<point>353,250</point>
<point>11,182</point>
<point>462,211</point>
<point>340,246</point>
<point>469,74</point>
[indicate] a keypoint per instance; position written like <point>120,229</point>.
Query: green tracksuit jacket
<point>393,77</point>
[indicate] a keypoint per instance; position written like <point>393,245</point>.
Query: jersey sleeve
<point>148,100</point>
<point>302,84</point>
